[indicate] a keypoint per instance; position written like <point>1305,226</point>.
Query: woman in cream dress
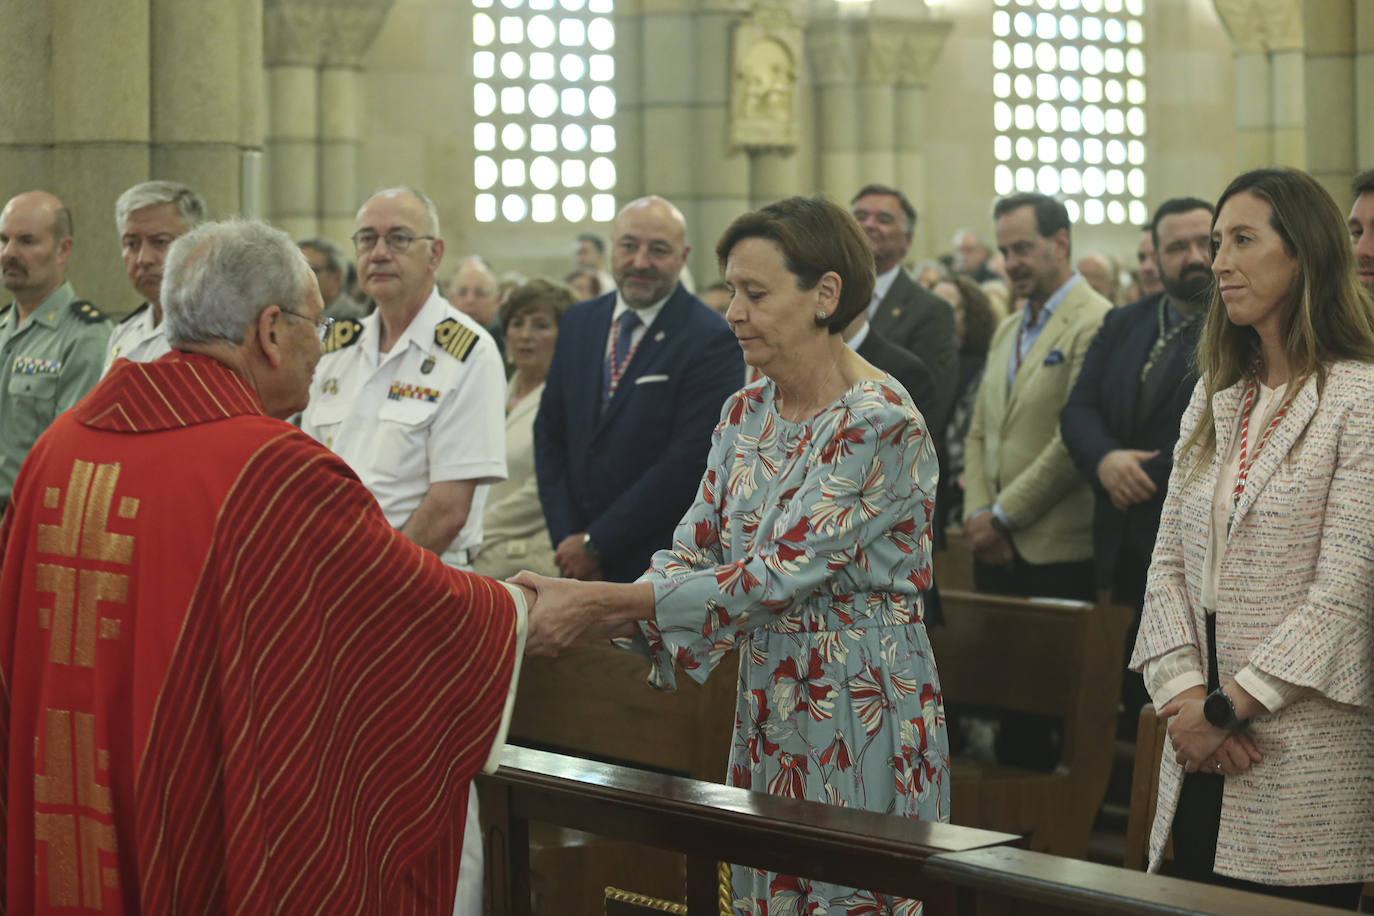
<point>515,536</point>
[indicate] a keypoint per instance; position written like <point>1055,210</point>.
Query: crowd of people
<point>475,466</point>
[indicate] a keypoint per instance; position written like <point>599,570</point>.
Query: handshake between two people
<point>568,612</point>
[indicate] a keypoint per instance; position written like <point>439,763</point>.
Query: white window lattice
<point>543,100</point>
<point>1070,104</point>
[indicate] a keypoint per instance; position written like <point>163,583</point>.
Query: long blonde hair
<point>1331,317</point>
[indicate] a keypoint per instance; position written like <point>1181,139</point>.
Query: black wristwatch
<point>589,548</point>
<point>1220,712</point>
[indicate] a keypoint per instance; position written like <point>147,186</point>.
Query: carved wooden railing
<point>955,870</point>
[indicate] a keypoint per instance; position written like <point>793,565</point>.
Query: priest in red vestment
<point>227,685</point>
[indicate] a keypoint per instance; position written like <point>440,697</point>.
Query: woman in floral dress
<point>808,549</point>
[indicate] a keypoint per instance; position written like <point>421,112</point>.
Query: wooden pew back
<point>953,869</point>
<point>1046,656</point>
<point>593,701</point>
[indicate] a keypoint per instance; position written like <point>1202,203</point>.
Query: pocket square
<point>1055,358</point>
<point>646,379</point>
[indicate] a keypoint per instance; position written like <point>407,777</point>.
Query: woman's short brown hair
<point>536,296</point>
<point>816,237</point>
<point>979,319</point>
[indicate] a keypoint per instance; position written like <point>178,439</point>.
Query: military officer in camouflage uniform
<point>51,344</point>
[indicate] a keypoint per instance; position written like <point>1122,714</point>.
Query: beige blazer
<point>1013,453</point>
<point>1295,596</point>
<point>515,536</point>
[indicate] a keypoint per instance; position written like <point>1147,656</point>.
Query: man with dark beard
<point>1121,420</point>
<point>1362,227</point>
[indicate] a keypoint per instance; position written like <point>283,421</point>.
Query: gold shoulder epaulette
<point>456,338</point>
<point>87,312</point>
<point>346,333</point>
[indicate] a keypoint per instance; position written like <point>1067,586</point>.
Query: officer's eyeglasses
<point>397,240</point>
<point>323,326</point>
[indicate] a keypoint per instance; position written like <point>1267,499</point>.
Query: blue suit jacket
<point>1105,412</point>
<point>627,476</point>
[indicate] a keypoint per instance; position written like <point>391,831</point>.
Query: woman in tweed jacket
<point>1256,636</point>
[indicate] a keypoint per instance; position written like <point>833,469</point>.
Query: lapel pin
<point>427,366</point>
<point>658,337</point>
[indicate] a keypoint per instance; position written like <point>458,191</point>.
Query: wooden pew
<point>593,701</point>
<point>1149,748</point>
<point>708,823</point>
<point>1046,656</point>
<point>1005,881</point>
<point>953,566</point>
<point>954,870</point>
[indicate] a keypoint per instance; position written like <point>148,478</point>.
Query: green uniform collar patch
<point>86,312</point>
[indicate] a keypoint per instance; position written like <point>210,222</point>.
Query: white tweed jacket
<point>1295,598</point>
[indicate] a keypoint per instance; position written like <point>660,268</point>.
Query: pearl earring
<point>821,314</point>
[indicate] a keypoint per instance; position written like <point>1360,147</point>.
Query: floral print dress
<point>807,549</point>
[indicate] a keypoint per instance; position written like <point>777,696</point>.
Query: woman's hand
<point>1193,737</point>
<point>567,612</point>
<point>1234,757</point>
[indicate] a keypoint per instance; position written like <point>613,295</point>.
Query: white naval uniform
<point>410,418</point>
<point>136,338</point>
<point>415,416</point>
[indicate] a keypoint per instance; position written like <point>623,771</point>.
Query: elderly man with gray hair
<point>149,217</point>
<point>277,700</point>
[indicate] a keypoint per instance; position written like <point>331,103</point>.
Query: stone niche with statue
<point>763,85</point>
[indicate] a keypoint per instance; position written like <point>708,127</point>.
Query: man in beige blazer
<point>1027,511</point>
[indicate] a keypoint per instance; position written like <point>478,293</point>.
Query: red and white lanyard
<point>1247,460</point>
<point>618,369</point>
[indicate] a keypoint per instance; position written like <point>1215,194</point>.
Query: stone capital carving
<point>1262,25</point>
<point>898,52</point>
<point>763,79</point>
<point>320,32</point>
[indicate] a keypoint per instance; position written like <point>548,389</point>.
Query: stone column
<point>97,125</point>
<point>834,49</point>
<point>313,52</point>
<point>872,76</point>
<point>292,175</point>
<point>80,129</point>
<point>340,188</point>
<point>200,92</point>
<point>672,132</point>
<point>1364,84</point>
<point>105,94</point>
<point>724,175</point>
<point>1296,99</point>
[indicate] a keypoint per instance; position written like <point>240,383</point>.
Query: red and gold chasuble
<point>226,683</point>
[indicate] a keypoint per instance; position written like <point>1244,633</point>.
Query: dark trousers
<point>1026,739</point>
<point>1037,580</point>
<point>1128,590</point>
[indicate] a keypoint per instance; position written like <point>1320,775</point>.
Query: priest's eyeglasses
<point>323,326</point>
<point>397,240</point>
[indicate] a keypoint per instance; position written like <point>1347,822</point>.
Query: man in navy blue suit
<point>637,382</point>
<point>1121,420</point>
